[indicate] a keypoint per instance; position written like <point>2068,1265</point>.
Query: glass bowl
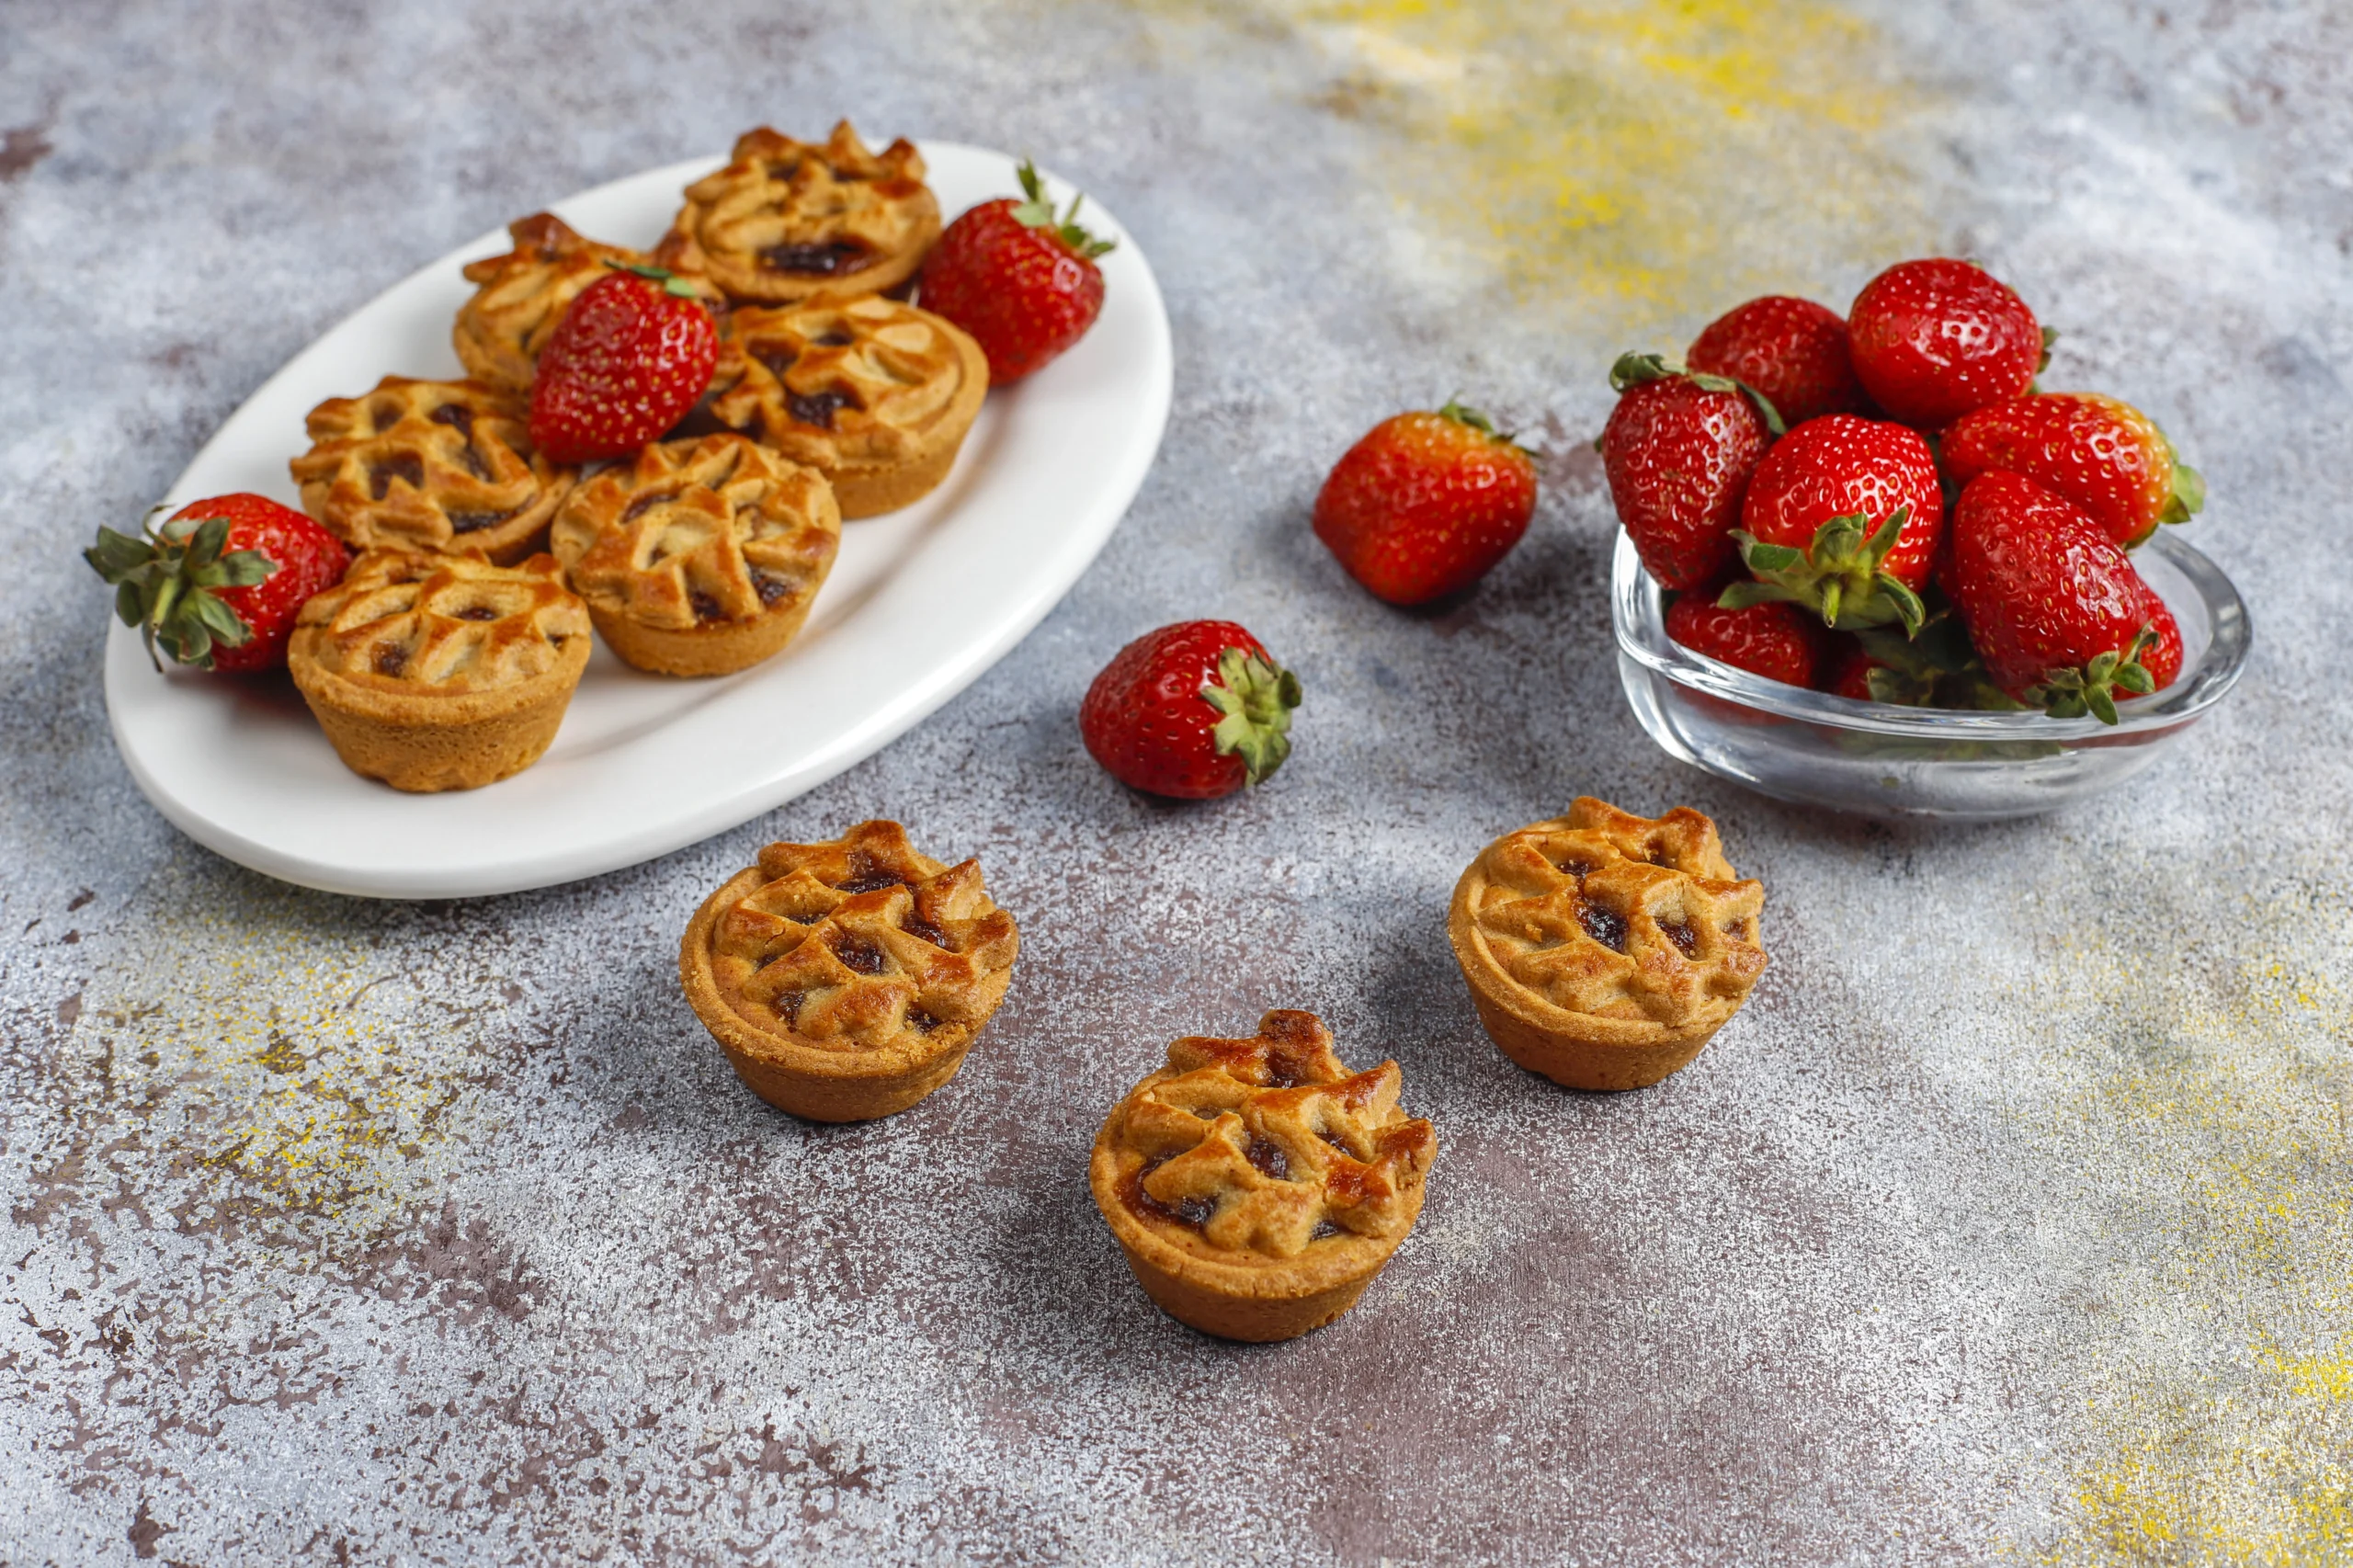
<point>1880,760</point>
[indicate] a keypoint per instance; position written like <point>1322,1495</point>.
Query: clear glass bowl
<point>1880,760</point>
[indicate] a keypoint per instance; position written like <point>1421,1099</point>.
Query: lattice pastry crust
<point>1606,943</point>
<point>877,395</point>
<point>524,293</point>
<point>429,465</point>
<point>1258,1185</point>
<point>789,220</point>
<point>701,557</point>
<point>440,672</point>
<point>846,980</point>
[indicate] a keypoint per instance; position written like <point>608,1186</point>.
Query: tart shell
<point>425,744</point>
<point>714,648</point>
<point>804,1080</point>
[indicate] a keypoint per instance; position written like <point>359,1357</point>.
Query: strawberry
<point>2053,605</point>
<point>1679,451</point>
<point>1023,282</point>
<point>1193,711</point>
<point>1934,339</point>
<point>1849,675</point>
<point>219,584</point>
<point>1426,504</point>
<point>2107,457</point>
<point>1792,351</point>
<point>1776,641</point>
<point>1842,516</point>
<point>629,358</point>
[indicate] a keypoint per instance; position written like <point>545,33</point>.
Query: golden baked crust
<point>1257,1185</point>
<point>440,672</point>
<point>1603,948</point>
<point>846,980</point>
<point>701,557</point>
<point>429,465</point>
<point>524,293</point>
<point>789,220</point>
<point>876,394</point>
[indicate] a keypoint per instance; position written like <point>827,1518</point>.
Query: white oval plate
<point>919,602</point>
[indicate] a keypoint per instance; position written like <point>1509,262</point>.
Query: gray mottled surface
<point>2011,1220</point>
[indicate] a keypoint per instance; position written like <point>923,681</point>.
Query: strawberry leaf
<point>1254,698</point>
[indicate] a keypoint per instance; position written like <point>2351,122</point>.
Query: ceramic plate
<point>919,602</point>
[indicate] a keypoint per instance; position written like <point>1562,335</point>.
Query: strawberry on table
<point>1792,351</point>
<point>218,584</point>
<point>2105,456</point>
<point>628,360</point>
<point>1776,641</point>
<point>1843,518</point>
<point>1193,710</point>
<point>2053,605</point>
<point>1934,339</point>
<point>1426,504</point>
<point>1022,281</point>
<point>1679,451</point>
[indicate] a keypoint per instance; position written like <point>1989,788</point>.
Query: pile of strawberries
<point>1886,508</point>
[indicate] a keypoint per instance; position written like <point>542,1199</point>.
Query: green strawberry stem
<point>1256,700</point>
<point>2070,692</point>
<point>672,284</point>
<point>1463,414</point>
<point>2188,497</point>
<point>167,583</point>
<point>1840,576</point>
<point>1037,212</point>
<point>1633,369</point>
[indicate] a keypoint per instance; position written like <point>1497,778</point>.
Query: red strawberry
<point>2107,457</point>
<point>1842,518</point>
<point>1679,451</point>
<point>1426,504</point>
<point>1195,711</point>
<point>1849,676</point>
<point>2061,619</point>
<point>1935,339</point>
<point>1021,281</point>
<point>220,584</point>
<point>627,361</point>
<point>1792,351</point>
<point>1778,641</point>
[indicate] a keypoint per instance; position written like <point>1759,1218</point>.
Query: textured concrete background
<point>2013,1219</point>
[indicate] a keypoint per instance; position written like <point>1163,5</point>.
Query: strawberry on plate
<point>1934,339</point>
<point>629,358</point>
<point>1792,351</point>
<point>1776,641</point>
<point>1021,280</point>
<point>1426,504</point>
<point>1193,710</point>
<point>2105,456</point>
<point>1679,451</point>
<point>1842,517</point>
<point>2053,605</point>
<point>218,584</point>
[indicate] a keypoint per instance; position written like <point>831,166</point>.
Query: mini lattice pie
<point>524,293</point>
<point>1604,948</point>
<point>846,980</point>
<point>429,465</point>
<point>440,672</point>
<point>1257,1185</point>
<point>789,220</point>
<point>701,557</point>
<point>876,394</point>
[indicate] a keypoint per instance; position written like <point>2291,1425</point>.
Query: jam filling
<point>836,338</point>
<point>1737,930</point>
<point>869,882</point>
<point>1193,1213</point>
<point>923,930</point>
<point>818,408</point>
<point>406,467</point>
<point>391,658</point>
<point>921,1021</point>
<point>770,589</point>
<point>856,953</point>
<point>474,522</point>
<point>1602,925</point>
<point>1268,1159</point>
<point>1682,936</point>
<point>788,1006</point>
<point>825,258</point>
<point>651,498</point>
<point>478,613</point>
<point>1574,866</point>
<point>1325,1230</point>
